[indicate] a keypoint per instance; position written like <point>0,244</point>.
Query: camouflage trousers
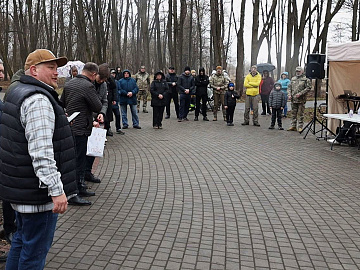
<point>142,96</point>
<point>297,110</point>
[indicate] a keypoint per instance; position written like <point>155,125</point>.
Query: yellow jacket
<point>251,83</point>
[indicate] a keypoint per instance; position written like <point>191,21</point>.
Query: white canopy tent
<point>343,70</point>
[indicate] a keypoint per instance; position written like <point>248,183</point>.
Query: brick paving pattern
<point>201,195</point>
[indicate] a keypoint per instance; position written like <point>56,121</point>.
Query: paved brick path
<point>201,195</point>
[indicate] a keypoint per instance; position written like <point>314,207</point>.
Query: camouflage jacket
<point>299,85</point>
<point>219,81</point>
<point>142,80</point>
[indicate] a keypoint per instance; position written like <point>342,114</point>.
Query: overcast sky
<point>334,36</point>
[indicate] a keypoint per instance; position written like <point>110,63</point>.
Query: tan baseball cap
<point>42,56</point>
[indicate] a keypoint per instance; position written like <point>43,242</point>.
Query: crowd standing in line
<point>96,93</point>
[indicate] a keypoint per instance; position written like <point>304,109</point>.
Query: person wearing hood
<point>186,85</point>
<point>277,101</point>
<point>219,83</point>
<point>142,79</point>
<point>128,89</point>
<point>201,83</point>
<point>298,89</point>
<point>159,90</point>
<point>284,81</point>
<point>171,79</point>
<point>119,74</point>
<point>230,103</point>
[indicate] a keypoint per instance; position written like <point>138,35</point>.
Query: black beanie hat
<point>187,68</point>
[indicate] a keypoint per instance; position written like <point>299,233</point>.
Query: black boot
<point>83,191</point>
<point>91,178</point>
<point>196,118</point>
<point>77,200</point>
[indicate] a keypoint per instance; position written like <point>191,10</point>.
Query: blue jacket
<point>124,86</point>
<point>284,82</point>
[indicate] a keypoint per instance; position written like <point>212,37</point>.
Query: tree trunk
<point>240,51</point>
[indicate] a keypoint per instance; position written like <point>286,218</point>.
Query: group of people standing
<point>274,97</point>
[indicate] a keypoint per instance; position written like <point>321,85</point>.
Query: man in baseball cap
<point>47,58</point>
<point>38,160</point>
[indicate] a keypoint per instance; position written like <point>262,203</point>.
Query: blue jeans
<point>134,116</point>
<point>31,241</point>
<point>285,108</point>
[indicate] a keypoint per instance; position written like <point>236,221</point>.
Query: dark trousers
<point>203,100</point>
<point>89,163</point>
<point>173,95</point>
<point>80,144</point>
<point>158,112</point>
<point>276,114</point>
<point>9,218</point>
<point>230,114</point>
<point>116,112</point>
<point>184,105</point>
<point>265,103</point>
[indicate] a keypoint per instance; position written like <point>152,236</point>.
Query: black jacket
<point>111,96</point>
<point>229,100</point>
<point>185,82</point>
<point>277,99</point>
<point>79,95</point>
<point>201,83</point>
<point>18,181</point>
<point>170,78</point>
<point>156,88</point>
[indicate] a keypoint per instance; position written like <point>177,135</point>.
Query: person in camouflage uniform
<point>142,79</point>
<point>298,89</point>
<point>219,83</point>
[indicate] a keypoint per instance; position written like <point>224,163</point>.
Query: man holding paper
<point>79,95</point>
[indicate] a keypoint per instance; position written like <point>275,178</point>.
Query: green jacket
<point>299,85</point>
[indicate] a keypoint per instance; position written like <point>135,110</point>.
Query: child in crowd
<point>230,103</point>
<point>277,102</point>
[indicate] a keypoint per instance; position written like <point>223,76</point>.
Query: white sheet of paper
<point>71,117</point>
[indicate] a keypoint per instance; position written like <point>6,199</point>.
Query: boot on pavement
<point>77,200</point>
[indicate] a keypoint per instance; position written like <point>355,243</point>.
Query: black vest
<point>18,182</point>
